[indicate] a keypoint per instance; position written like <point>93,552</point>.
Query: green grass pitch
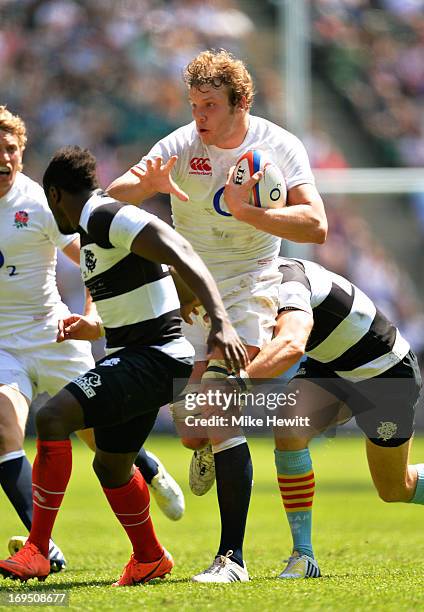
<point>370,553</point>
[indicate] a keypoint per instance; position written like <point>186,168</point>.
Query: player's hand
<point>78,327</point>
<point>237,197</point>
<point>188,309</point>
<point>157,177</point>
<point>223,336</point>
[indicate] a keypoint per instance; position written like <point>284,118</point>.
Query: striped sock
<point>297,486</point>
<point>418,497</point>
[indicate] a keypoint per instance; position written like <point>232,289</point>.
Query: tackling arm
<point>287,347</point>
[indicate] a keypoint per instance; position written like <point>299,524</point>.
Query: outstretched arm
<point>138,183</point>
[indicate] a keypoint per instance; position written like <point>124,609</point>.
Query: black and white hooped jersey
<point>350,335</point>
<point>136,298</point>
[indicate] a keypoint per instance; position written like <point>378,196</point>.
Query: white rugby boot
<point>166,491</point>
<point>223,570</point>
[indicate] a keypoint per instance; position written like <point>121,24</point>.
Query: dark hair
<point>72,169</point>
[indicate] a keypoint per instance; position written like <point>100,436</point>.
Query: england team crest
<point>21,219</point>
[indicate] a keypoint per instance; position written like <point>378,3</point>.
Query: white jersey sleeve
<point>61,241</point>
<point>126,225</point>
<point>110,222</point>
<point>295,289</point>
<point>295,164</point>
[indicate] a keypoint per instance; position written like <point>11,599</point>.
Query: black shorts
<point>383,406</point>
<point>122,395</point>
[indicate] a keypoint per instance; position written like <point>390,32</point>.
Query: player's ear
<point>54,194</point>
<point>242,105</point>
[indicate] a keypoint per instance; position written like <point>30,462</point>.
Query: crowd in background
<point>372,51</point>
<point>107,75</point>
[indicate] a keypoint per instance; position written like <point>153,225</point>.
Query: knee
<point>10,439</point>
<point>12,431</point>
<point>194,443</point>
<point>112,474</point>
<point>100,469</point>
<point>50,424</point>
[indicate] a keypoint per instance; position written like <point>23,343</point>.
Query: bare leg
<point>393,478</point>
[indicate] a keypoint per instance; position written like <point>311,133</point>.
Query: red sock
<point>131,504</point>
<point>50,475</point>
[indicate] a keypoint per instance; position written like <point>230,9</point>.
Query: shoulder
<point>277,134</point>
<point>30,190</point>
<point>104,218</point>
<point>97,216</point>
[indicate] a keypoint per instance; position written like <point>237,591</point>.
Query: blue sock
<point>16,481</point>
<point>297,487</point>
<point>234,472</point>
<point>147,466</point>
<point>418,497</point>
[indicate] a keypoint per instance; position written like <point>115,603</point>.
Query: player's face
<point>10,161</point>
<point>217,121</point>
<point>55,202</point>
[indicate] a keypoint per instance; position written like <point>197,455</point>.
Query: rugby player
<point>357,364</point>
<point>191,164</point>
<point>124,252</point>
<point>31,361</point>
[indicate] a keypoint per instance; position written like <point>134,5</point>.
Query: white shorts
<point>251,300</point>
<point>36,363</point>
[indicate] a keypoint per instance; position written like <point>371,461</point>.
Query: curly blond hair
<point>217,68</point>
<point>13,124</point>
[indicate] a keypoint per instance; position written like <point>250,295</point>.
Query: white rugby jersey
<point>201,171</point>
<point>28,240</point>
<point>350,335</point>
<point>136,298</point>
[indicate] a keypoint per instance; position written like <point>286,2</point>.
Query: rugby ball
<point>271,190</point>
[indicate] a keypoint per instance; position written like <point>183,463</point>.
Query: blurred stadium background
<point>347,76</point>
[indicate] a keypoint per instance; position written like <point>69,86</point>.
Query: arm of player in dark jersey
<point>188,301</point>
<point>160,243</point>
<point>291,334</point>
